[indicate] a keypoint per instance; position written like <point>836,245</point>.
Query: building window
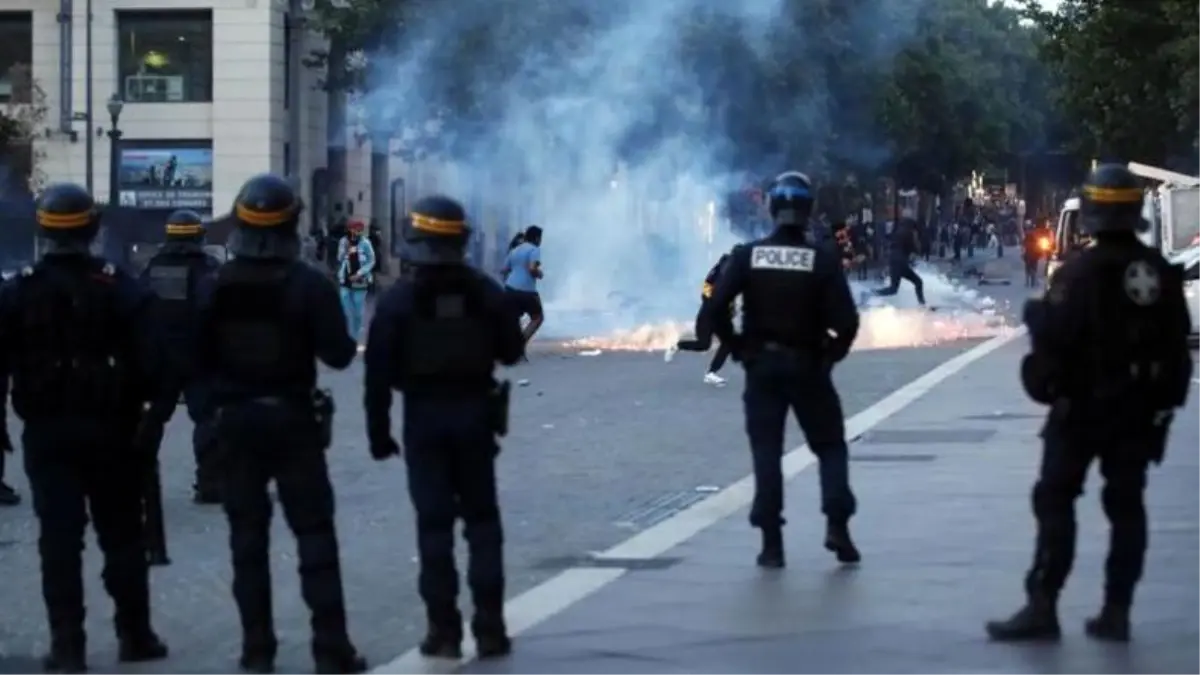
<point>16,54</point>
<point>165,57</point>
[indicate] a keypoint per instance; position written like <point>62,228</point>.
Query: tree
<point>960,95</point>
<point>1126,76</point>
<point>354,29</point>
<point>21,119</point>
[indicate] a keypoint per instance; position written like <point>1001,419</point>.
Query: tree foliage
<point>21,120</point>
<point>1125,71</point>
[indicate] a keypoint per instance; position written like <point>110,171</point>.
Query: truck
<point>1172,210</point>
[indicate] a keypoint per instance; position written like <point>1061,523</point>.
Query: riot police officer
<point>436,337</point>
<point>264,319</point>
<point>77,340</point>
<point>173,274</point>
<point>798,320</point>
<point>1110,357</point>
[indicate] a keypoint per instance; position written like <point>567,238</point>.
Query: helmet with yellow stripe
<point>1111,200</point>
<point>67,213</point>
<point>185,225</point>
<point>265,214</point>
<point>436,231</point>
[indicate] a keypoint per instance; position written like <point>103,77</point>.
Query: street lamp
<point>115,105</point>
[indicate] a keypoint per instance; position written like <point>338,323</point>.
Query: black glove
<point>384,447</point>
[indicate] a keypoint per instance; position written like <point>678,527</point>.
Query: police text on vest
<point>786,258</point>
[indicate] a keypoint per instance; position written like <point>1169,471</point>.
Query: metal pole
<point>90,127</point>
<point>114,164</point>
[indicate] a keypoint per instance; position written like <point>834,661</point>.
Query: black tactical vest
<point>779,304</point>
<point>73,350</point>
<point>256,341</point>
<point>173,278</point>
<point>1131,316</point>
<point>449,341</point>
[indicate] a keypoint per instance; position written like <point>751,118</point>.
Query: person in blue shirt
<point>356,266</point>
<point>522,270</point>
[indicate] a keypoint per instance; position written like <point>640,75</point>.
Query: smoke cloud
<point>619,126</point>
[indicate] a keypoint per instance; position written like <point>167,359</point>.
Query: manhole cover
<point>1002,416</point>
<point>926,436</point>
<point>660,508</point>
<point>586,561</point>
<point>889,458</point>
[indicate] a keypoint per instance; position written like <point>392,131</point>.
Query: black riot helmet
<point>1111,200</point>
<point>266,213</point>
<point>67,218</point>
<point>790,199</point>
<point>184,225</point>
<point>436,231</point>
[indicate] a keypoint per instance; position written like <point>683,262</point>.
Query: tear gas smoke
<point>618,126</point>
<point>899,322</point>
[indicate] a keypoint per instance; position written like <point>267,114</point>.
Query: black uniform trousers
<point>261,441</point>
<point>704,338</point>
<point>204,439</point>
<point>450,450</point>
<point>899,269</point>
<point>76,468</point>
<point>1066,457</point>
<point>779,380</point>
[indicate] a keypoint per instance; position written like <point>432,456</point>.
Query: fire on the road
<point>882,328</point>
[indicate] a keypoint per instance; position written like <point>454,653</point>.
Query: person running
<point>704,331</point>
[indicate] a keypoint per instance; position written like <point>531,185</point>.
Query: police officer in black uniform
<point>798,320</point>
<point>1110,357</point>
<point>436,337</point>
<point>264,320</point>
<point>78,341</point>
<point>173,274</point>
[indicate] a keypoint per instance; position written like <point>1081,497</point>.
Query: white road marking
<point>574,585</point>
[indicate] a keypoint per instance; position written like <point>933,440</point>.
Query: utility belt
<point>793,354</point>
<point>317,406</point>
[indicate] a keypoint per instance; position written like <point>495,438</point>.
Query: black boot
<point>140,646</point>
<point>443,640</point>
<point>772,556</point>
<point>837,540</point>
<point>344,659</point>
<point>258,649</point>
<point>68,654</point>
<point>1110,625</point>
<point>491,634</point>
<point>8,496</point>
<point>1036,621</point>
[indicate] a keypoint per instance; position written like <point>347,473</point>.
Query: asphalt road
<point>600,447</point>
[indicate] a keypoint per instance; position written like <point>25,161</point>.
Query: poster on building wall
<point>166,175</point>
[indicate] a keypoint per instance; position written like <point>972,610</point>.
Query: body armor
<point>257,342</point>
<point>72,343</point>
<point>448,339</point>
<point>779,303</point>
<point>1131,352</point>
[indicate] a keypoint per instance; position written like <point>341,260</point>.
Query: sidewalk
<point>946,534</point>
